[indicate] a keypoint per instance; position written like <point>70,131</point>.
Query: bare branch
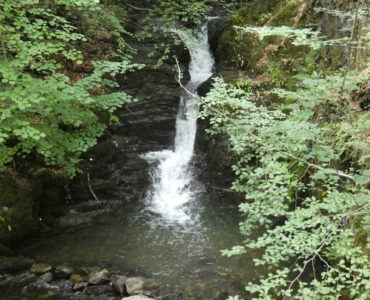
<point>90,188</point>
<point>334,172</point>
<point>138,8</point>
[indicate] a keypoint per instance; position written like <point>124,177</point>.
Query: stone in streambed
<point>63,272</point>
<point>79,286</point>
<point>40,268</point>
<point>134,285</point>
<point>76,278</point>
<point>98,277</point>
<point>46,277</point>
<point>119,284</point>
<point>136,297</point>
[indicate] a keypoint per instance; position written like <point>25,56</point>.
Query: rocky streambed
<point>44,281</point>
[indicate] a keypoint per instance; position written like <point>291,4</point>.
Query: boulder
<point>134,285</point>
<point>98,277</point>
<point>76,278</point>
<point>47,277</point>
<point>40,268</point>
<point>63,272</point>
<point>79,286</point>
<point>119,284</point>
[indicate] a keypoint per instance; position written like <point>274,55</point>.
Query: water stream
<point>172,179</point>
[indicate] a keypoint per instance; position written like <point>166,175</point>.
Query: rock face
<point>25,201</point>
<point>115,167</point>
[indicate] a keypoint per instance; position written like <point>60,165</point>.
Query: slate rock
<point>134,285</point>
<point>63,272</point>
<point>76,278</point>
<point>98,277</point>
<point>79,286</point>
<point>46,277</point>
<point>119,284</point>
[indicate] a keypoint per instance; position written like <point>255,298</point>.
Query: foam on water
<point>172,190</point>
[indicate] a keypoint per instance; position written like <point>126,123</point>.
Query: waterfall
<point>171,189</point>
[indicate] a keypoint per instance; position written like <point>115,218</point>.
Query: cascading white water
<point>171,188</point>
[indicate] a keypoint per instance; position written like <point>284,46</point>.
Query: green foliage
<point>303,167</point>
<point>285,169</point>
<point>42,111</point>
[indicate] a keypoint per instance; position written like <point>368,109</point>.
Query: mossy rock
<point>273,57</point>
<point>17,207</point>
<point>24,202</point>
<point>50,189</point>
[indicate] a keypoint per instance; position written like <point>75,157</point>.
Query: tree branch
<point>90,188</point>
<point>138,8</point>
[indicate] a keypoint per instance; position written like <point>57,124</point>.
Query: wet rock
<point>134,285</point>
<point>204,260</point>
<point>216,27</point>
<point>119,284</point>
<point>73,221</point>
<point>150,284</point>
<point>76,278</point>
<point>100,290</point>
<point>64,284</point>
<point>79,286</point>
<point>136,297</point>
<point>40,268</point>
<point>205,87</point>
<point>19,280</point>
<point>47,277</point>
<point>43,289</point>
<point>63,272</point>
<point>14,263</point>
<point>98,277</point>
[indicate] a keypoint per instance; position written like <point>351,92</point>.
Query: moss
<point>273,57</point>
<point>286,14</point>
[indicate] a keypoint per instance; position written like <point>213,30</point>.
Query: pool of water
<point>182,258</point>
